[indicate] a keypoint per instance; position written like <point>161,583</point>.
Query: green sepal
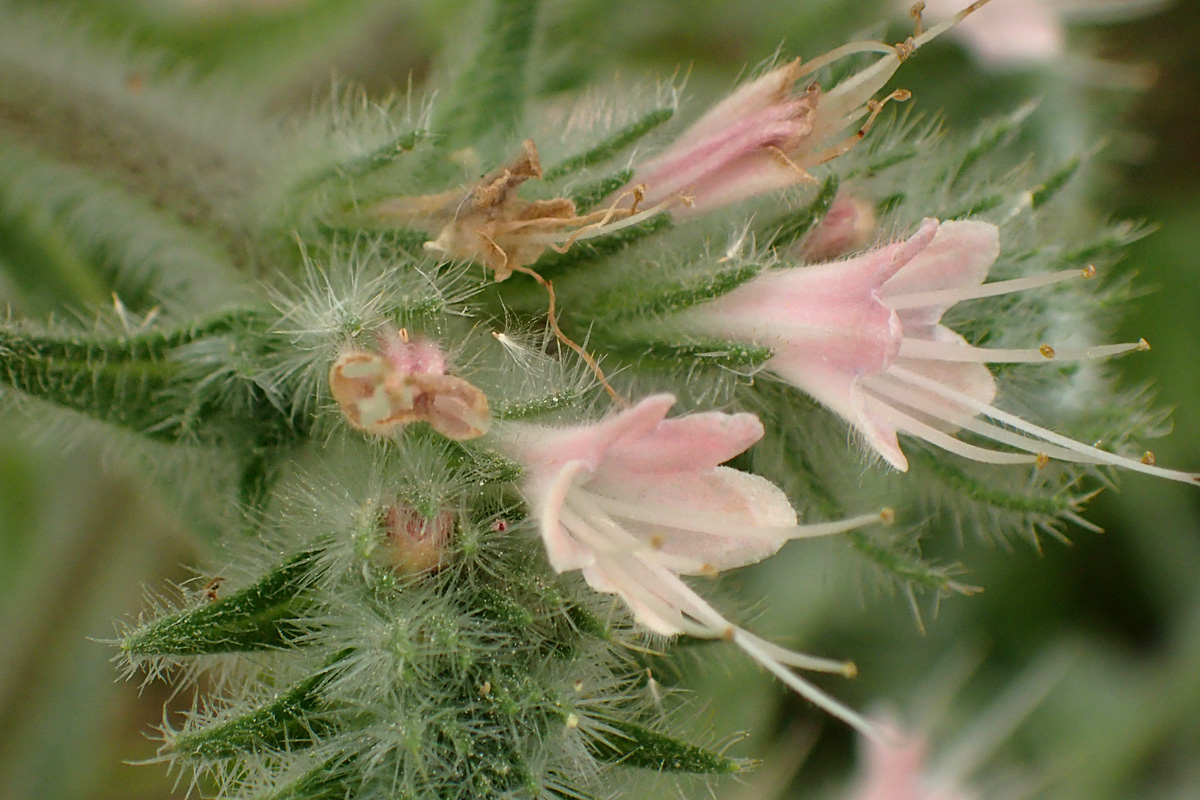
<point>489,96</point>
<point>634,746</point>
<point>789,228</point>
<point>737,356</point>
<point>1044,193</point>
<point>290,722</point>
<point>614,144</point>
<point>583,253</point>
<point>589,194</point>
<point>649,301</point>
<point>260,617</point>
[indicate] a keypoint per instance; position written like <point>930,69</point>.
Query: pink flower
<point>771,131</point>
<point>637,500</point>
<point>864,337</point>
<point>895,768</point>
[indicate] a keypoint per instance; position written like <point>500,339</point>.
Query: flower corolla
<point>864,337</point>
<point>637,500</point>
<point>768,133</point>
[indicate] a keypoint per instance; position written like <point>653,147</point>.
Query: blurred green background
<point>81,535</point>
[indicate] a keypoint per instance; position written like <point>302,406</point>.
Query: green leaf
<point>288,723</point>
<point>789,228</point>
<point>1054,183</point>
<point>736,356</point>
<point>330,781</point>
<point>365,164</point>
<point>648,301</point>
<point>634,746</point>
<point>489,96</point>
<point>259,617</point>
<point>140,383</point>
<point>609,148</point>
<point>35,253</point>
<point>538,406</point>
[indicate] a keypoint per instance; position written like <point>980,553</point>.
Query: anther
<point>657,541</point>
<point>1148,458</point>
<point>1143,345</point>
<point>887,515</point>
<point>850,669</point>
<point>572,720</point>
<point>709,571</point>
<point>1046,350</point>
<point>729,633</point>
<point>486,689</point>
<point>577,686</point>
<point>1089,271</point>
<point>1041,461</point>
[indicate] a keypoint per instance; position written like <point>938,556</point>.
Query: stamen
<point>715,525</point>
<point>802,687</point>
<point>964,353</point>
<point>846,669</point>
<point>913,426</point>
<point>918,402</point>
<point>1034,430</point>
<point>948,297</point>
<point>605,535</point>
<point>942,27</point>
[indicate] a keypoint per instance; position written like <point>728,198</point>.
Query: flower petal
<point>688,443</point>
<point>958,256</point>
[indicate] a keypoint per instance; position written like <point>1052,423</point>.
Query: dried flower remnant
<point>489,224</point>
<point>864,337</point>
<point>380,393</point>
<point>637,500</point>
<point>766,135</point>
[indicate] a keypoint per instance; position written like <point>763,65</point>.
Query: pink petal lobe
<point>547,494</point>
<point>741,501</point>
<point>958,257</point>
<point>688,443</point>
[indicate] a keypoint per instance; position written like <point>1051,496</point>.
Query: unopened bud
<point>414,542</point>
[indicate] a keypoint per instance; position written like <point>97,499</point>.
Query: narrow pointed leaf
<point>260,617</point>
<point>489,96</point>
<point>649,301</point>
<point>635,746</point>
<point>290,722</point>
<point>614,144</point>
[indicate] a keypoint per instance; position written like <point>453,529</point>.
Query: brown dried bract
<point>488,223</point>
